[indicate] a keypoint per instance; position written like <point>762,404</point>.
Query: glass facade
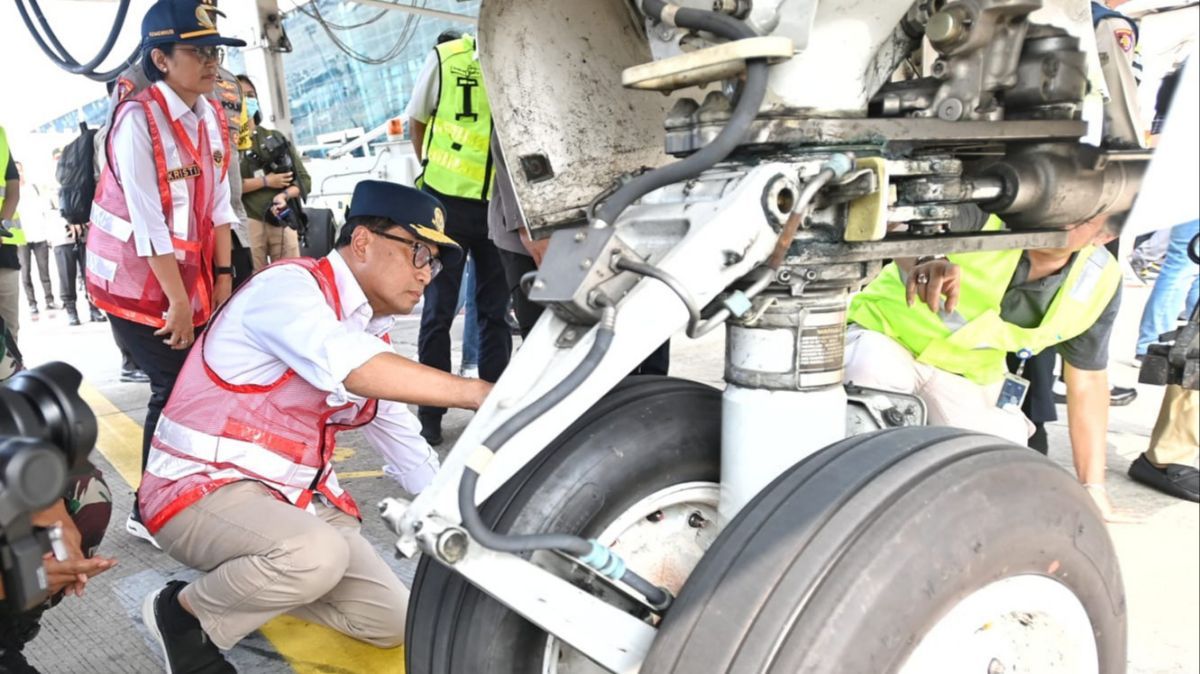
<point>329,90</point>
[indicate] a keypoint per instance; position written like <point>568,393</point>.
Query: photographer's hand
<point>278,181</point>
<point>279,202</point>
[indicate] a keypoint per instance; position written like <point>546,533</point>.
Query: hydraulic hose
<point>589,552</point>
<point>59,54</point>
<point>744,113</point>
<point>666,279</point>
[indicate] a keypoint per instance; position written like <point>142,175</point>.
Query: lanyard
<point>1024,355</point>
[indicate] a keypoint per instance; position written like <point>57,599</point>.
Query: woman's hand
<point>178,331</point>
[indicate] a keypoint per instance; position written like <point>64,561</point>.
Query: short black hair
<point>448,35</point>
<point>1114,223</point>
<point>152,72</point>
<point>372,222</point>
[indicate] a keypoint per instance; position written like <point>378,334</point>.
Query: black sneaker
<point>431,429</point>
<point>97,316</point>
<point>134,526</point>
<point>135,376</point>
<point>12,661</point>
<point>185,647</point>
<point>72,317</point>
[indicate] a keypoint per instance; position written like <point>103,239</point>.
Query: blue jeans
<point>466,297</point>
<point>1175,282</point>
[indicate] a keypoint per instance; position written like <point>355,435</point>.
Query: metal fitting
<point>452,545</point>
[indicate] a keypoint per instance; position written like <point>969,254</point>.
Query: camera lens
<point>44,404</point>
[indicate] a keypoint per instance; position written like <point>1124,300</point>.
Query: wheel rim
<point>663,537</point>
<point>1026,623</point>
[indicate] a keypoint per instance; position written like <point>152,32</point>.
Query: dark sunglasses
<point>422,256</point>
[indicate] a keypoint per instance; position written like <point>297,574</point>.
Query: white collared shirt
<point>133,159</point>
<point>281,321</point>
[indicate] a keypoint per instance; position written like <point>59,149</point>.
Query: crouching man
<point>240,480</point>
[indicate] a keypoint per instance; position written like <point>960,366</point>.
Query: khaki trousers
<point>269,243</point>
<point>266,557</point>
<point>1176,435</point>
<point>10,299</point>
<point>877,361</point>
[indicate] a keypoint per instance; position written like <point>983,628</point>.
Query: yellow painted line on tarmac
<point>308,648</point>
<point>359,474</point>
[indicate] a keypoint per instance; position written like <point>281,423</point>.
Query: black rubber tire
<point>843,563</point>
<point>647,434</point>
<point>320,235</point>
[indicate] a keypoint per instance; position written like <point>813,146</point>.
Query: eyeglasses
<point>205,54</point>
<point>422,256</point>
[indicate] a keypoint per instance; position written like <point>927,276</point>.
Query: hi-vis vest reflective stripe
<point>458,159</point>
<point>213,433</point>
<point>973,340</point>
<point>16,234</point>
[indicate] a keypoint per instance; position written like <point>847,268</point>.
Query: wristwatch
<point>223,270</point>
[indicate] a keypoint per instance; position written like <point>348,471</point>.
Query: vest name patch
<point>183,173</point>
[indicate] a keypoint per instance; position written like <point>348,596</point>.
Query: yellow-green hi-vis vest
<point>972,341</point>
<point>17,237</point>
<point>458,159</point>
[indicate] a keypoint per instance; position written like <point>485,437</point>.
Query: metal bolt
<point>810,274</point>
<point>783,275</point>
<point>656,516</point>
<point>569,335</point>
<point>418,526</point>
<point>893,417</point>
<point>538,284</point>
<point>939,68</point>
<point>732,258</point>
<point>580,236</point>
<point>950,110</point>
<point>996,667</point>
<point>697,521</point>
<point>452,546</point>
<point>585,263</point>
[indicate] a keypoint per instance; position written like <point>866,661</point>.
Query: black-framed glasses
<point>422,255</point>
<point>210,54</point>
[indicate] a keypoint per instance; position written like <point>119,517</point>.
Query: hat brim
<point>448,249</point>
<point>213,40</point>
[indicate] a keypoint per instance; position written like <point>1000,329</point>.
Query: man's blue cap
<point>420,213</point>
<point>191,22</point>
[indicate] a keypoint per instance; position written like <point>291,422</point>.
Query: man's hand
<point>931,280</point>
<point>278,181</point>
<point>536,249</point>
<point>72,574</point>
<point>279,202</point>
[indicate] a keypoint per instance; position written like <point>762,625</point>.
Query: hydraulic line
<point>591,553</point>
<point>666,279</point>
<point>59,54</point>
<point>744,113</point>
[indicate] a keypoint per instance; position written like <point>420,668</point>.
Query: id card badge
<point>1012,393</point>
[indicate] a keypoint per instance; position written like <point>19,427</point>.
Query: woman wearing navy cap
<point>158,249</point>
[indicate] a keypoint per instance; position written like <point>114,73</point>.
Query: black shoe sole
<point>150,620</point>
<point>1144,472</point>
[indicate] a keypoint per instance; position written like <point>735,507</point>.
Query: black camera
<point>276,157</point>
<point>46,433</point>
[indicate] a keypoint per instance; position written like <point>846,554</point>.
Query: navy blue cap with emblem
<point>191,22</point>
<point>419,213</point>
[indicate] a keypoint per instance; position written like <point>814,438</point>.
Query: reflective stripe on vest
<point>247,457</point>
<point>458,159</point>
<point>974,339</point>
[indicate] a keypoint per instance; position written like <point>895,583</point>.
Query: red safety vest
<point>118,279</point>
<point>213,433</point>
